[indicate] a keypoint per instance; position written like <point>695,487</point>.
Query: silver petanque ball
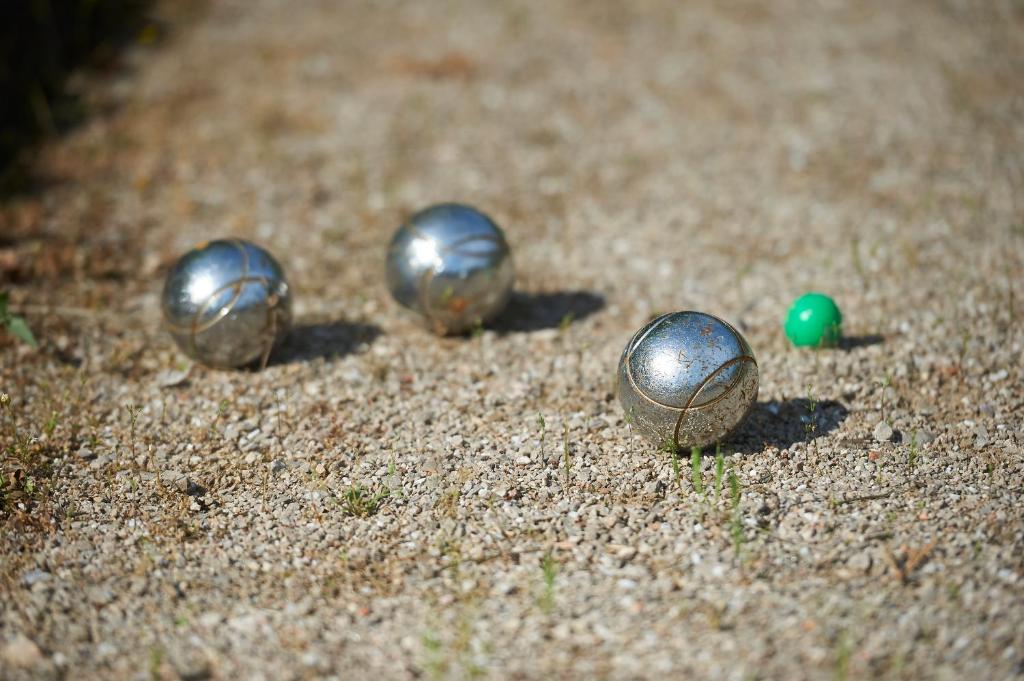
<point>450,264</point>
<point>687,379</point>
<point>226,303</point>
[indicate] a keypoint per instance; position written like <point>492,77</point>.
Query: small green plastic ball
<point>814,320</point>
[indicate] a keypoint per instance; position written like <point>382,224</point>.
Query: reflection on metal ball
<point>450,264</point>
<point>226,303</point>
<point>687,379</point>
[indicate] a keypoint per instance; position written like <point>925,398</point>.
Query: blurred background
<point>41,43</point>
<point>655,155</point>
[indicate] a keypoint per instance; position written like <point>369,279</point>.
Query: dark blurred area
<point>41,43</point>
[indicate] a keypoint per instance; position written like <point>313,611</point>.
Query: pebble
<point>34,576</point>
<point>882,431</point>
<point>860,562</point>
<point>924,437</point>
<point>210,619</point>
<point>997,376</point>
<point>505,588</point>
<point>246,624</point>
<point>100,595</point>
<point>22,652</point>
<point>172,379</point>
<point>176,480</point>
<point>99,462</point>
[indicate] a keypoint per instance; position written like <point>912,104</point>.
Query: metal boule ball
<point>687,379</point>
<point>226,303</point>
<point>451,265</point>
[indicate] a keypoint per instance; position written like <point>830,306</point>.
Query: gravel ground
<point>380,502</point>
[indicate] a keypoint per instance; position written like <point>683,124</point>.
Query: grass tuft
<point>811,420</point>
<point>567,461</point>
<point>719,471</point>
<point>676,468</point>
<point>695,474</point>
<point>549,570</point>
<point>15,324</point>
<point>735,524</point>
<point>543,427</point>
<point>360,502</point>
<point>24,464</point>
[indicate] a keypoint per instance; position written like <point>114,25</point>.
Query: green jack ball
<point>814,320</point>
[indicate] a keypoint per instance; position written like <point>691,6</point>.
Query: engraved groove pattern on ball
<point>450,264</point>
<point>226,303</point>
<point>687,378</point>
